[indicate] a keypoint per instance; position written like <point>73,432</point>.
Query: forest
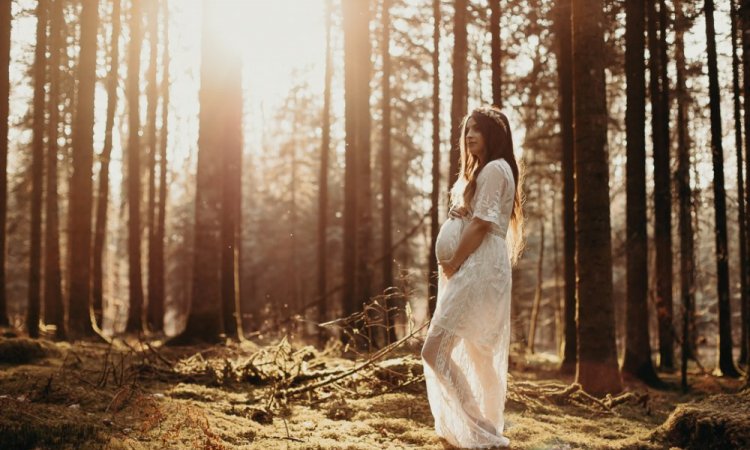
<point>218,219</point>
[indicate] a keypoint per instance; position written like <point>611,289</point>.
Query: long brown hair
<point>498,144</point>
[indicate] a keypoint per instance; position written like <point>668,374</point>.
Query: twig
<point>163,359</point>
<point>378,355</point>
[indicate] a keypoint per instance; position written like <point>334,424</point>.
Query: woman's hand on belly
<point>458,212</point>
<point>449,267</point>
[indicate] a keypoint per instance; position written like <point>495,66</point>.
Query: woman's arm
<point>471,239</point>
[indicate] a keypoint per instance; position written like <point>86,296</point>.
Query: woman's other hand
<point>449,267</point>
<point>458,212</point>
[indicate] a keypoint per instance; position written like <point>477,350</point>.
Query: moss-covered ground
<point>130,395</point>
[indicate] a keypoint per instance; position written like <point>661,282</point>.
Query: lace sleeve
<point>492,183</point>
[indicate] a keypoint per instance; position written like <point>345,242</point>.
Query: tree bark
<point>81,189</point>
<point>741,219</point>
<point>231,144</point>
<point>155,320</point>
<point>459,99</point>
<point>565,104</point>
<point>157,273</point>
<point>725,359</point>
<point>325,151</point>
<point>6,21</point>
<point>662,193</point>
<point>596,370</point>
<point>637,361</point>
<point>103,199</point>
<point>37,170</point>
<point>535,306</point>
<point>687,258</point>
<point>744,17</point>
<point>435,194</point>
<point>385,164</point>
<point>496,54</point>
<point>132,91</point>
<point>220,71</point>
<point>53,297</point>
<point>357,214</point>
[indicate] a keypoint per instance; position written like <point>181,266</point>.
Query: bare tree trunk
<point>496,54</point>
<point>459,99</point>
<point>687,258</point>
<point>565,87</point>
<point>744,17</point>
<point>597,369</point>
<point>220,119</point>
<point>385,163</point>
<point>132,92</point>
<point>744,295</point>
<point>53,297</point>
<point>154,320</point>
<point>726,361</point>
<point>103,200</point>
<point>637,361</point>
<point>6,21</point>
<point>659,87</point>
<point>231,146</point>
<point>559,306</point>
<point>156,303</point>
<point>81,189</point>
<point>357,213</point>
<point>323,183</point>
<point>435,194</point>
<point>37,171</point>
<point>538,293</point>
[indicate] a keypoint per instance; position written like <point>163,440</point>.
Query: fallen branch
<point>375,357</point>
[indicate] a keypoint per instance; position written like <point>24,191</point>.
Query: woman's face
<point>474,139</point>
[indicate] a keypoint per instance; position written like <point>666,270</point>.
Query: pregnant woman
<point>466,350</point>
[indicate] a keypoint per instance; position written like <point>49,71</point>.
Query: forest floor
<point>250,395</point>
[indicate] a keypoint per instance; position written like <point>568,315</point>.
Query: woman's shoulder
<point>496,167</point>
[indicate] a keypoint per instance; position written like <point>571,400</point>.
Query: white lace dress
<point>466,350</point>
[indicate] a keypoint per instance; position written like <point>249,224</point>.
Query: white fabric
<point>466,350</point>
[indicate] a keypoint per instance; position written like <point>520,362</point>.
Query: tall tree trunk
<point>100,229</point>
<point>156,303</point>
<point>385,164</point>
<point>496,54</point>
<point>357,214</point>
<point>155,321</point>
<point>559,305</point>
<point>662,200</point>
<point>364,184</point>
<point>597,370</point>
<point>740,184</point>
<point>435,194</point>
<point>132,92</point>
<point>687,258</point>
<point>637,361</point>
<point>538,293</point>
<point>231,145</point>
<point>6,20</point>
<point>325,151</point>
<point>744,17</point>
<point>53,297</point>
<point>726,361</point>
<point>219,73</point>
<point>37,170</point>
<point>565,87</point>
<point>81,189</point>
<point>459,99</point>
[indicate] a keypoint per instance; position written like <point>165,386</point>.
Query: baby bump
<point>448,238</point>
